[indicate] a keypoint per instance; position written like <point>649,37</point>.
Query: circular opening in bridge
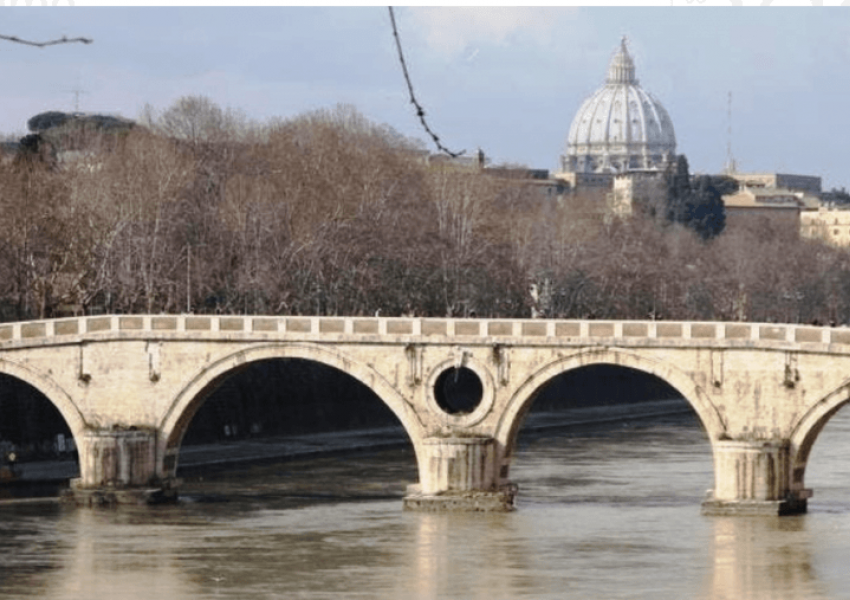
<point>458,391</point>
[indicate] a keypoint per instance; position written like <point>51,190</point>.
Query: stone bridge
<point>128,386</point>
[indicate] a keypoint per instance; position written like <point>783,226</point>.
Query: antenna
<point>730,167</point>
<point>77,91</point>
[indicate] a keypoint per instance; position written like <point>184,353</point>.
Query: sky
<point>506,80</point>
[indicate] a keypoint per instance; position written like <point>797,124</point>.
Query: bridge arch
<point>190,398</point>
<point>808,428</point>
<point>512,418</point>
<point>51,390</point>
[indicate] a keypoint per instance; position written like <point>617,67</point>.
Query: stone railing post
<point>119,466</point>
<point>753,477</point>
<point>459,473</point>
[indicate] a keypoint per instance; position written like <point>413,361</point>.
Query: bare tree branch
<point>420,112</point>
<point>62,40</point>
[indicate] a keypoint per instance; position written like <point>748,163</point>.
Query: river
<point>608,513</point>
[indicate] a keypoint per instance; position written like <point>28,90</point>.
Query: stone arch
<point>806,431</point>
<point>51,390</point>
<point>521,401</point>
<point>192,395</point>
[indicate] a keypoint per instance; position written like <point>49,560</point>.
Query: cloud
<point>450,31</point>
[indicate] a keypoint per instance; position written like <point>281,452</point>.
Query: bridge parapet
<point>424,330</point>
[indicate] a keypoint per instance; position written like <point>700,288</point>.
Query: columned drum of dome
<point>621,127</point>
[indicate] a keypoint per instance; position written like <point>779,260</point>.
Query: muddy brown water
<point>612,512</point>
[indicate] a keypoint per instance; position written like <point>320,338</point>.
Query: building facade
<point>637,192</point>
<point>761,208</point>
<point>830,225</point>
<point>809,184</point>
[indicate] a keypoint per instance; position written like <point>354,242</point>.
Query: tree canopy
<point>329,213</point>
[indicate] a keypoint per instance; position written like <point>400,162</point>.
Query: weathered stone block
<point>808,334</point>
<point>264,324</point>
<point>31,330</point>
<point>500,328</point>
<point>567,329</point>
<point>131,323</point>
<point>331,326</point>
<point>769,332</point>
<point>366,326</point>
<point>601,330</point>
<point>734,332</point>
<point>533,328</point>
<point>434,327</point>
<point>163,323</point>
<point>501,500</point>
<point>232,324</point>
<point>98,324</point>
<point>668,330</point>
<point>467,328</point>
<point>198,324</point>
<point>635,330</point>
<point>299,325</point>
<point>703,330</point>
<point>839,337</point>
<point>69,327</point>
<point>399,327</point>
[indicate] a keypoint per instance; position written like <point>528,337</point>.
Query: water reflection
<point>114,554</point>
<point>472,555</point>
<point>759,558</point>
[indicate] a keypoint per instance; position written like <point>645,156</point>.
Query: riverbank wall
<point>199,458</point>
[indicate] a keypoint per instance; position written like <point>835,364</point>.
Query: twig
<point>62,40</point>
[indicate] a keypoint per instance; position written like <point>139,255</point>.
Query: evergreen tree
<point>678,189</point>
<point>723,183</point>
<point>697,205</point>
<point>704,210</point>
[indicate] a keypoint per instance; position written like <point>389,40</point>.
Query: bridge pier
<point>119,466</point>
<point>459,474</point>
<point>753,478</point>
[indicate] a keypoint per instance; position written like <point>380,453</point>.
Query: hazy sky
<point>508,80</point>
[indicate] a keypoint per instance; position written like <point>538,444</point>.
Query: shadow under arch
<point>511,421</point>
<point>51,390</point>
<point>809,427</point>
<point>190,398</point>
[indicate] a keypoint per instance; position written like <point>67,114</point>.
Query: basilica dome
<point>621,127</point>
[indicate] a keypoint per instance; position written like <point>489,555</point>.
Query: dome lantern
<point>621,69</point>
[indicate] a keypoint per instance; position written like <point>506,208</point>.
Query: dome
<point>621,127</point>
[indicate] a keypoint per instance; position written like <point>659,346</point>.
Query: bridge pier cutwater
<point>119,466</point>
<point>460,473</point>
<point>753,477</point>
<point>129,385</point>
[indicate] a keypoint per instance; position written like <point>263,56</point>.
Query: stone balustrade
<point>527,331</point>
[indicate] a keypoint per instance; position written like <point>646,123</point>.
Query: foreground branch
<point>62,40</point>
